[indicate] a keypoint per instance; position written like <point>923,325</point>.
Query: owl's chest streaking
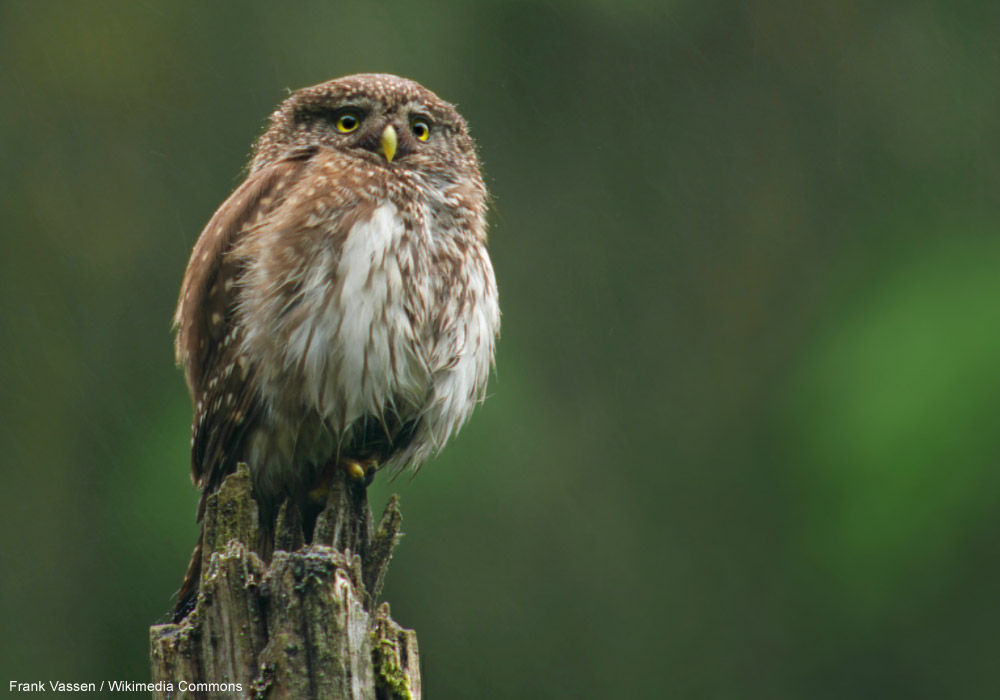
<point>368,316</point>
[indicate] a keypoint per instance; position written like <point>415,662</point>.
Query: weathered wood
<point>303,627</point>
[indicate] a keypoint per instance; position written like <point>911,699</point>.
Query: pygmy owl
<point>340,309</point>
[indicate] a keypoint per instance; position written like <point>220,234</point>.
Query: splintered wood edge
<point>288,529</point>
<point>384,541</point>
<point>231,513</point>
<point>396,658</point>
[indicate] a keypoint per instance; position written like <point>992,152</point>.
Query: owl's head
<point>380,119</point>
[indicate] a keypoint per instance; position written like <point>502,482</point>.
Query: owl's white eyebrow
<point>355,101</point>
<point>416,108</point>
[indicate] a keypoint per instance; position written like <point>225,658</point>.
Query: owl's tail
<point>187,596</point>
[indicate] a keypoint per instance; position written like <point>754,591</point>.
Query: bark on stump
<point>305,627</point>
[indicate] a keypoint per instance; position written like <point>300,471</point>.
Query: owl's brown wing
<point>208,337</point>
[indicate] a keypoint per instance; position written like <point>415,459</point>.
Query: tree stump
<point>305,627</point>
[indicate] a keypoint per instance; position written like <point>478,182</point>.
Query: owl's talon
<point>360,470</point>
<point>354,469</point>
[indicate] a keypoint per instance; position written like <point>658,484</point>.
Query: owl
<point>339,310</point>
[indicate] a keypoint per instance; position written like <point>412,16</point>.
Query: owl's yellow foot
<point>357,469</point>
<point>360,469</point>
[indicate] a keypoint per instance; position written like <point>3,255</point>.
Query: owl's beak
<point>388,143</point>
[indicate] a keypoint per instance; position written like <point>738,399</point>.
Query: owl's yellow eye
<point>348,122</point>
<point>421,128</point>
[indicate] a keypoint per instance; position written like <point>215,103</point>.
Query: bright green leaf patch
<point>895,412</point>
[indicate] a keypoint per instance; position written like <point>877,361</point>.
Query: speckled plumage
<point>339,305</point>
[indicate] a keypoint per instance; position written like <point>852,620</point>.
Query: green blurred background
<point>742,438</point>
